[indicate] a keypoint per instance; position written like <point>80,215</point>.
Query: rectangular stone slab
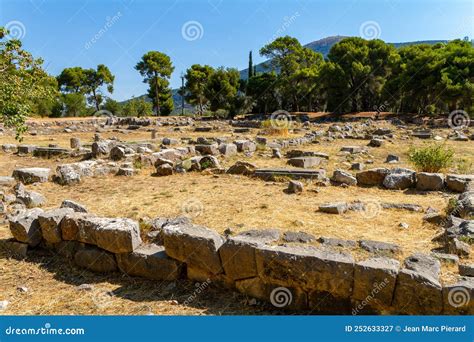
<point>374,281</point>
<point>458,298</point>
<point>50,152</point>
<point>29,175</point>
<point>279,297</point>
<point>269,174</point>
<point>95,259</point>
<point>309,268</point>
<point>194,245</point>
<point>149,261</point>
<point>25,227</point>
<point>417,294</point>
<point>305,162</point>
<point>116,235</point>
<point>49,222</point>
<point>238,252</point>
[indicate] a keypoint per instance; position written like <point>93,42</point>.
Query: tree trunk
<point>96,100</point>
<point>157,99</point>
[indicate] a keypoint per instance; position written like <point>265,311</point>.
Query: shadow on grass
<point>210,299</point>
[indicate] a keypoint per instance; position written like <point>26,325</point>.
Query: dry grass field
<point>220,201</point>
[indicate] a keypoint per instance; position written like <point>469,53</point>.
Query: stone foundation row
<point>295,277</point>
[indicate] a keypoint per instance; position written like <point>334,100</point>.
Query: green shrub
<point>431,158</point>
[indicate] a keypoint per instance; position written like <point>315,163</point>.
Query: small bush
<point>431,158</point>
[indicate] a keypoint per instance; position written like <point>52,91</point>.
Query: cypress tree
<point>250,69</point>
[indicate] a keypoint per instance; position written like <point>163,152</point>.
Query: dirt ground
<point>216,201</point>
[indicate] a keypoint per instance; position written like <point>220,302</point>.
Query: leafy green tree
<point>72,80</point>
<point>456,86</point>
<point>44,107</point>
<point>113,107</point>
<point>416,79</point>
<point>197,78</point>
<point>88,82</point>
<point>74,104</point>
<point>241,104</point>
<point>305,82</point>
<point>289,57</point>
<point>94,81</point>
<point>283,54</point>
<point>156,68</point>
<point>165,96</point>
<point>262,88</point>
<point>222,87</point>
<point>434,78</point>
<point>22,82</point>
<point>357,72</point>
<point>137,107</point>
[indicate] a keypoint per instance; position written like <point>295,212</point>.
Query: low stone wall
<point>292,277</point>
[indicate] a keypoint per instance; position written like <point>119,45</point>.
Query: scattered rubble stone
<point>295,187</point>
<point>379,247</point>
<point>340,176</point>
<point>333,208</point>
<point>300,237</point>
<point>31,175</point>
<point>79,208</point>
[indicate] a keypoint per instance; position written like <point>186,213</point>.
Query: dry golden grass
<point>221,201</point>
<point>52,284</point>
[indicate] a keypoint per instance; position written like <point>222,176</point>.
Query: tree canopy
<point>88,82</point>
<point>156,69</point>
<point>357,75</point>
<point>23,82</point>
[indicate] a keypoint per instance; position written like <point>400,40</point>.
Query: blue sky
<point>219,32</point>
